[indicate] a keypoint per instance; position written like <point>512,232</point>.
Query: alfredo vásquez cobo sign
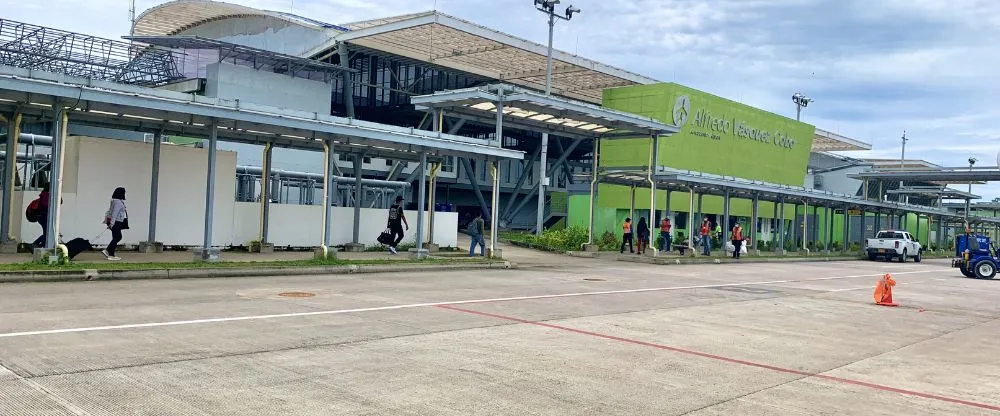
<point>706,124</point>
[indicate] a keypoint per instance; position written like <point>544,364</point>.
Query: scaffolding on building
<point>34,47</point>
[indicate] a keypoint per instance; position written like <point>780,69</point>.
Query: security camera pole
<point>972,161</point>
<point>548,7</point>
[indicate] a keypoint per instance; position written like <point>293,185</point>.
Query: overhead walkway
<point>700,184</point>
<point>62,98</point>
<point>508,106</point>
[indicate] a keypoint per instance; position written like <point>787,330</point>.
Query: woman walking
<point>116,219</point>
<point>643,234</point>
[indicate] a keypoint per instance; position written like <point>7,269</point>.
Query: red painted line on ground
<point>730,360</point>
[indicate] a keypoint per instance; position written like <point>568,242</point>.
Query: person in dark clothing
<point>396,222</point>
<point>476,231</point>
<point>117,220</point>
<point>43,217</point>
<point>642,232</point>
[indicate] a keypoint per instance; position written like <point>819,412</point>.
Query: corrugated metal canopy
<point>704,183</point>
<point>176,16</point>
<point>825,141</point>
<point>444,40</point>
<point>105,103</point>
<point>532,111</point>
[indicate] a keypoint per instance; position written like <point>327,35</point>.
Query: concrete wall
<point>301,225</point>
<point>267,88</point>
<point>268,33</point>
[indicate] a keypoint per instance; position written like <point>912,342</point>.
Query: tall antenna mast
<point>131,19</point>
<point>131,14</point>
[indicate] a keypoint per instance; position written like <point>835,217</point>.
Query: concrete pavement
<point>561,335</point>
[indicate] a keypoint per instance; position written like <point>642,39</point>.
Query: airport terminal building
<point>618,143</point>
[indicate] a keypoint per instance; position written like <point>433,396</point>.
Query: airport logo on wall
<point>682,108</point>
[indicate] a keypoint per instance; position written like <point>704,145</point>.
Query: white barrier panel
<point>95,167</point>
<point>301,225</point>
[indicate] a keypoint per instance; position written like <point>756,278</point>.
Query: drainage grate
<point>594,279</point>
<point>296,294</point>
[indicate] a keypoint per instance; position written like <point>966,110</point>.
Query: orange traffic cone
<point>883,291</point>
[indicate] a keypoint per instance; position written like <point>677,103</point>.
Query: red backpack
<point>34,211</point>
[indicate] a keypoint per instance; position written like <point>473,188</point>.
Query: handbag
<point>385,237</point>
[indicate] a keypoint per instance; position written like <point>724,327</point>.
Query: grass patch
<point>31,266</point>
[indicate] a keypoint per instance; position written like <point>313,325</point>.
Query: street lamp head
<point>972,161</point>
<point>801,100</point>
<point>571,10</point>
<point>548,5</point>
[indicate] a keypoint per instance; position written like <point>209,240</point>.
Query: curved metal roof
<point>176,16</point>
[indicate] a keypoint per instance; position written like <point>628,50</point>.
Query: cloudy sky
<point>875,68</point>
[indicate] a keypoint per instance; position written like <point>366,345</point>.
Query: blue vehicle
<point>979,261</point>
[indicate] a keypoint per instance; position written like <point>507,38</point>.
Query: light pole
<point>972,161</point>
<point>801,101</point>
<point>902,164</point>
<point>548,7</point>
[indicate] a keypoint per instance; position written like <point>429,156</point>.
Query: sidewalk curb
<point>151,274</point>
<point>665,261</point>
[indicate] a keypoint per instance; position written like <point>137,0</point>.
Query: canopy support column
<point>595,157</point>
<point>326,250</point>
<point>52,245</point>
<point>655,143</point>
<point>151,245</point>
<point>206,252</point>
<point>359,199</point>
<point>754,228</point>
<point>781,229</point>
<point>421,212</point>
<point>726,200</point>
<point>9,179</point>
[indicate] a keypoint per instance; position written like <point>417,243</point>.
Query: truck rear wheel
<point>986,270</point>
<point>902,258</point>
<point>968,273</point>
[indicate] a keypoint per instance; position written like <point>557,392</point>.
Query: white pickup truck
<point>891,244</point>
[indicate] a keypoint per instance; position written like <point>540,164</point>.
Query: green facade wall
<point>717,135</point>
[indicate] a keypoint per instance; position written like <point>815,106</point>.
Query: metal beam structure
<point>531,111</point>
<point>258,59</point>
<point>442,40</point>
<point>42,48</point>
<point>957,175</point>
<point>474,182</point>
<point>185,114</point>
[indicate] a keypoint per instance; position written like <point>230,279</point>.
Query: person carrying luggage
<point>737,239</point>
<point>396,222</point>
